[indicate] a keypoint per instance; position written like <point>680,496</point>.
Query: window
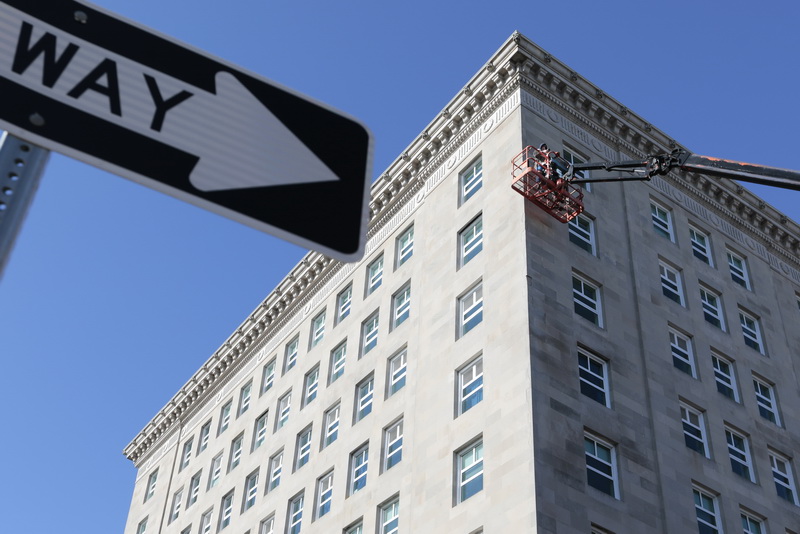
<point>739,453</point>
<point>738,268</point>
<point>601,465</point>
<point>581,232</point>
<point>244,397</point>
<point>671,285</point>
<point>176,505</point>
<point>331,425</point>
<point>470,385</point>
<point>250,490</point>
<point>397,372</point>
<point>205,522</point>
<point>225,510</point>
<point>586,299</point>
<point>151,485</point>
<point>317,329</point>
<point>701,245</point>
<point>470,180</point>
<point>401,305</point>
<point>268,376</point>
<point>751,525</point>
<point>295,515</point>
<point>205,432</point>
<point>194,488</point>
<point>712,307</point>
<point>260,431</point>
<point>311,385</point>
<point>390,517</point>
<point>358,469</point>
<point>576,160</point>
<point>470,241</point>
<point>142,527</point>
<point>215,471</point>
<point>725,377</point>
<point>355,529</point>
<point>393,448</point>
<point>765,398</point>
<point>290,354</point>
<point>783,476</point>
<point>662,220</point>
<point>187,454</point>
<point>470,309</point>
<point>364,394</point>
<point>224,417</point>
<point>694,431</point>
<point>267,526</point>
<point>751,330</point>
<point>303,449</point>
<point>275,470</point>
<point>593,377</point>
<point>187,530</point>
<point>369,334</point>
<point>707,510</point>
<point>405,246</point>
<point>284,406</point>
<point>343,302</point>
<point>374,275</point>
<point>469,469</point>
<point>338,356</point>
<point>236,452</point>
<point>324,494</point>
<point>682,354</point>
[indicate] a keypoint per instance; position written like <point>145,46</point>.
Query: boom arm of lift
<point>681,159</point>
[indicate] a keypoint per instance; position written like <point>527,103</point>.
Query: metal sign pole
<point>21,167</point>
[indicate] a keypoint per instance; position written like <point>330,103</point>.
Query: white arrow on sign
<point>212,126</point>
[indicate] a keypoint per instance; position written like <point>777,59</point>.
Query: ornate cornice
<point>518,63</point>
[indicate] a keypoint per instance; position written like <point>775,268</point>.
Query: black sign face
<point>81,81</point>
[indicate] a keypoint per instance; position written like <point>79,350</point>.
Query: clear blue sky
<point>116,294</point>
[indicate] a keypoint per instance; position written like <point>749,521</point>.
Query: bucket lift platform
<point>540,175</point>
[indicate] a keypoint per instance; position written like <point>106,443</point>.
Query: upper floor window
<point>369,334</point>
<point>470,180</point>
<point>324,494</point>
<point>250,490</point>
<point>205,434</point>
<point>275,470</point>
<point>469,471</point>
<point>405,246</point>
<point>244,398</point>
<point>267,526</point>
<point>682,354</point>
<point>586,299</point>
<point>205,522</point>
<point>303,449</point>
<point>738,269</point>
<point>343,302</point>
<point>364,395</point>
<point>470,240</point>
<point>290,354</point>
<point>712,307</point>
<point>194,488</point>
<point>338,356</point>
<point>783,477</point>
<point>331,425</point>
<point>358,469</point>
<point>574,159</point>
<point>470,309</point>
<point>694,430</point>
<point>260,431</point>
<point>401,305</point>
<point>176,505</point>
<point>739,454</point>
<point>671,285</point>
<point>701,245</point>
<point>224,417</point>
<point>268,376</point>
<point>397,372</point>
<point>393,445</point>
<point>470,385</point>
<point>751,330</point>
<point>707,512</point>
<point>752,525</point>
<point>151,485</point>
<point>215,472</point>
<point>375,275</point>
<point>317,329</point>
<point>310,386</point>
<point>662,220</point>
<point>295,515</point>
<point>765,399</point>
<point>390,517</point>
<point>601,465</point>
<point>187,453</point>
<point>593,377</point>
<point>725,377</point>
<point>284,407</point>
<point>142,526</point>
<point>225,510</point>
<point>581,232</point>
<point>236,452</point>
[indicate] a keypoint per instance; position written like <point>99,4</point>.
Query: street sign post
<point>81,81</point>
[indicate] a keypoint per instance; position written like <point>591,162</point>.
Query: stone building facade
<point>486,368</point>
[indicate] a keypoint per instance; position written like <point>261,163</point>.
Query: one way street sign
<point>81,81</point>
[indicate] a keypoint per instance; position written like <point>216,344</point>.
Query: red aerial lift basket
<point>537,175</point>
